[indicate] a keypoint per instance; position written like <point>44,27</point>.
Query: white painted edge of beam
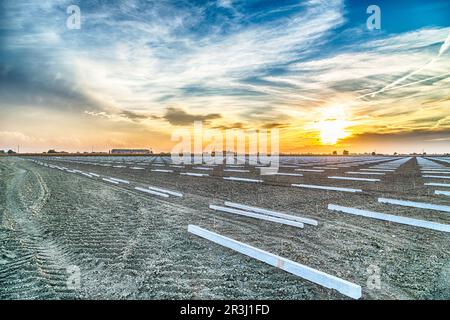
<point>316,276</point>
<point>311,186</point>
<point>164,195</point>
<point>436,177</point>
<point>94,174</point>
<point>367,173</point>
<point>441,192</point>
<point>173,193</point>
<point>272,213</point>
<point>235,170</point>
<point>120,180</point>
<point>137,168</point>
<point>287,174</point>
<point>86,174</point>
<point>382,170</point>
<point>309,170</point>
<point>203,168</point>
<point>193,174</point>
<point>161,170</point>
<point>257,216</point>
<point>392,218</point>
<point>438,184</point>
<point>110,181</point>
<point>242,179</point>
<point>268,171</point>
<point>354,179</point>
<point>421,205</point>
<point>435,172</point>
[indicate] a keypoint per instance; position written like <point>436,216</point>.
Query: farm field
<point>123,223</point>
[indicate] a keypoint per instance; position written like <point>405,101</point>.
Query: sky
<point>136,71</point>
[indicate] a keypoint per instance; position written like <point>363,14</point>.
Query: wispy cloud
<point>227,62</point>
<point>442,50</point>
<point>180,117</point>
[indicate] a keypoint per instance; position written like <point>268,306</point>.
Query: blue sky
<point>138,69</point>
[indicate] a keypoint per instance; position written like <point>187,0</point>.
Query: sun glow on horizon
<point>333,125</point>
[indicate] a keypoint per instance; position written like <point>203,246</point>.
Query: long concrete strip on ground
<point>257,216</point>
<point>345,287</point>
<point>421,205</point>
<point>392,218</point>
<point>271,213</point>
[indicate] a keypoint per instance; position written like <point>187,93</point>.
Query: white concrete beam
<point>272,213</point>
<point>436,177</point>
<point>287,174</point>
<point>354,179</point>
<point>120,180</point>
<point>391,218</point>
<point>441,192</point>
<point>164,195</point>
<point>193,174</point>
<point>242,179</point>
<point>316,276</point>
<point>367,173</point>
<point>309,170</point>
<point>438,184</point>
<point>257,216</point>
<point>421,205</point>
<point>110,181</point>
<point>311,186</point>
<point>173,193</point>
<point>236,170</point>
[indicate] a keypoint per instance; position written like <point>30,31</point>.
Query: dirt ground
<point>130,245</point>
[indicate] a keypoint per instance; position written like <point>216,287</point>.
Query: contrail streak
<point>404,85</point>
<point>442,50</point>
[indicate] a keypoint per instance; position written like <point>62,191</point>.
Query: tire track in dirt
<point>43,195</point>
<point>131,245</point>
<point>32,264</point>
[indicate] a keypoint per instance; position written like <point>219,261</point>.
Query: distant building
<point>130,151</point>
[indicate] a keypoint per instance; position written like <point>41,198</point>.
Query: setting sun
<point>333,125</point>
<point>332,131</point>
